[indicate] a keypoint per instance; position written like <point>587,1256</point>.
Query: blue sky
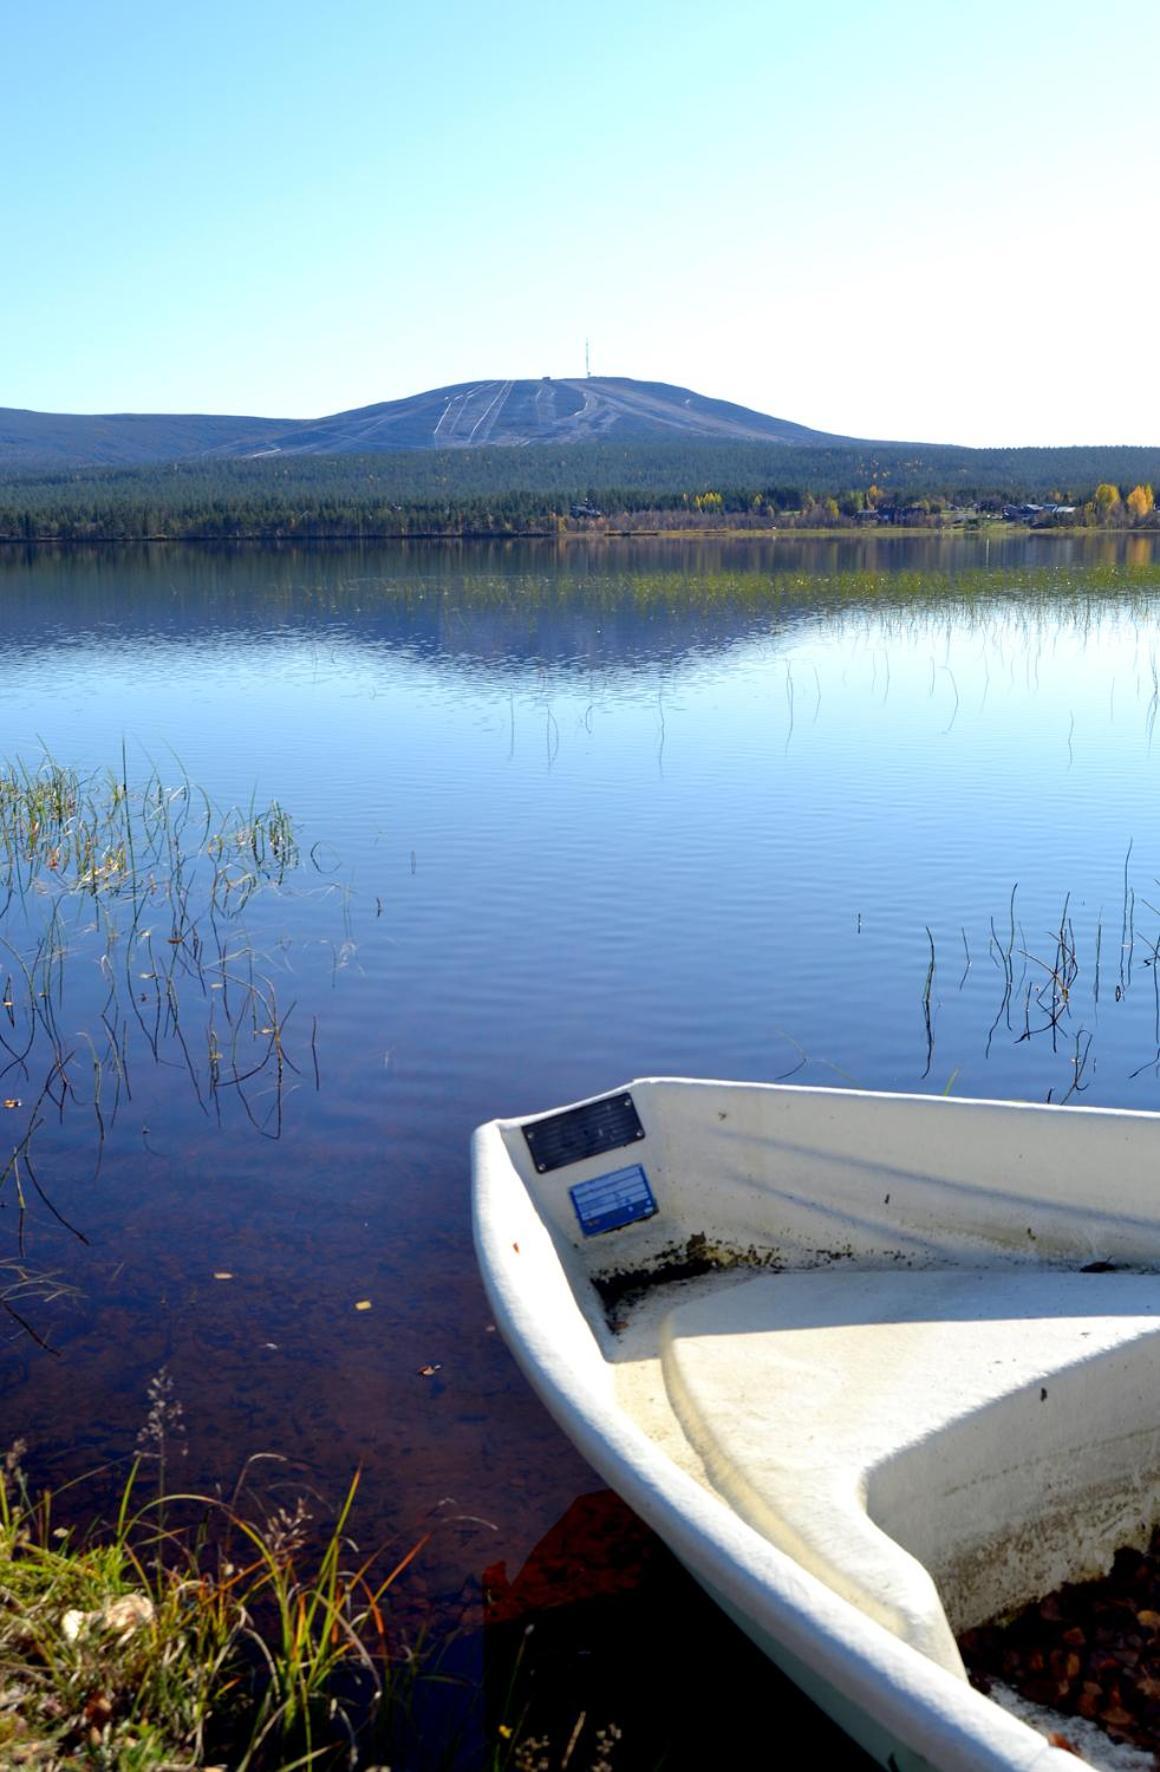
<point>927,221</point>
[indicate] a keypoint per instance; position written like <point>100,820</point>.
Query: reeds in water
<point>121,942</point>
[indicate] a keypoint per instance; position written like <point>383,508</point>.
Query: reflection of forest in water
<point>582,605</point>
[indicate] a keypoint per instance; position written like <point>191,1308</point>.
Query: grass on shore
<point>186,1636</point>
<point>154,1647</point>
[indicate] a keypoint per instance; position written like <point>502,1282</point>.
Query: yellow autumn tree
<point>1140,502</point>
<point>1106,499</point>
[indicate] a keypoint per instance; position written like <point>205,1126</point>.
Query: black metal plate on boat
<point>584,1131</point>
<point>609,1202</point>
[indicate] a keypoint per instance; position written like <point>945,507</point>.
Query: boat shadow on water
<point>603,1645</point>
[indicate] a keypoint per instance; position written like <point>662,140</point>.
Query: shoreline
<point>706,533</point>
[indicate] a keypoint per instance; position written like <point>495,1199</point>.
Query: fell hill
<point>127,439</point>
<point>468,415</point>
<point>608,409</point>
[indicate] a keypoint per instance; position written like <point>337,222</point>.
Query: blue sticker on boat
<point>609,1201</point>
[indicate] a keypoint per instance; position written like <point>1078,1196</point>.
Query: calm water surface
<point>849,812</point>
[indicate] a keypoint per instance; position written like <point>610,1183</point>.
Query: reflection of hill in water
<point>579,606</point>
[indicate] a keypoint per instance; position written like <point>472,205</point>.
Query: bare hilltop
<point>467,415</point>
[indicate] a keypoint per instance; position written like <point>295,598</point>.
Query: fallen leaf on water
<point>363,1304</point>
<point>13,1101</point>
<point>223,1274</point>
<point>430,1371</point>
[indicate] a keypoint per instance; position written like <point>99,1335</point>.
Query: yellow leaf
<point>223,1274</point>
<point>363,1304</point>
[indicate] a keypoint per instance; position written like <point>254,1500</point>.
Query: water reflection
<point>631,602</point>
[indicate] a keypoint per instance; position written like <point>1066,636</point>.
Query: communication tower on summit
<point>587,365</point>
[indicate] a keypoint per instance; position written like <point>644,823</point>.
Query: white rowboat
<point>878,1368</point>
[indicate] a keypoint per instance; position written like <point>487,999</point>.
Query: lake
<point>871,811</point>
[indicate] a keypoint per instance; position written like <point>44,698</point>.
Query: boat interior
<point>911,1341</point>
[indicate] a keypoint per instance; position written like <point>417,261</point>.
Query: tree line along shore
<point>582,489</point>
